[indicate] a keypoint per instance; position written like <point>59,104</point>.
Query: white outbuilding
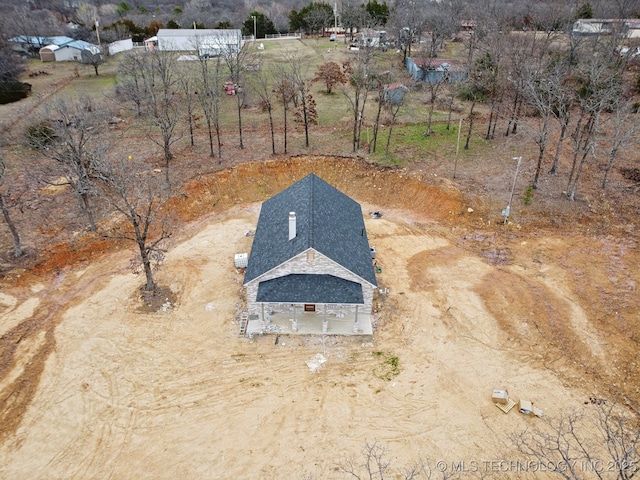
<point>207,42</point>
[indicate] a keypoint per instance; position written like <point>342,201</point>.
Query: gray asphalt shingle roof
<point>308,288</point>
<point>327,220</point>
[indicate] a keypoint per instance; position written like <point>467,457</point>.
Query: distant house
<point>436,70</point>
<point>31,44</point>
<point>468,25</point>
<point>311,258</point>
<point>74,50</point>
<point>54,49</point>
<point>151,43</point>
<point>373,38</point>
<point>629,28</point>
<point>207,42</point>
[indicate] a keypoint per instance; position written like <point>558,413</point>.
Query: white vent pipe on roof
<point>292,225</point>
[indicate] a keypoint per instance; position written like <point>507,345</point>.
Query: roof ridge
<point>311,213</point>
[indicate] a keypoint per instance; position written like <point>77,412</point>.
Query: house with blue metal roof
<point>75,50</point>
<point>56,48</point>
<point>310,269</point>
<point>33,43</point>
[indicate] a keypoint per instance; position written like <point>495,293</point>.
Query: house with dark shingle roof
<point>311,260</point>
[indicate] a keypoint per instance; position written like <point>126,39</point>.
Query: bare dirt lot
<point>92,388</point>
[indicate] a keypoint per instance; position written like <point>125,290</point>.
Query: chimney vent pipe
<point>292,225</point>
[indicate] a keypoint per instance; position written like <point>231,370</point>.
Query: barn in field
<point>310,269</point>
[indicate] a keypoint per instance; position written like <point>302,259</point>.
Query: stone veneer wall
<point>319,265</point>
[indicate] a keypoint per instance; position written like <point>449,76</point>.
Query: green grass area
<point>90,85</point>
<point>389,366</point>
<point>410,141</point>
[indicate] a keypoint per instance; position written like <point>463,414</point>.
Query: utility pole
<point>507,210</point>
<point>335,24</point>
<point>455,165</point>
<point>98,30</point>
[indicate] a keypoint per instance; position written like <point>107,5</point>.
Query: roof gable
<point>308,288</point>
<point>327,220</point>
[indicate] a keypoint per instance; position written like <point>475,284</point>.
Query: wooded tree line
<point>542,84</point>
<point>140,18</point>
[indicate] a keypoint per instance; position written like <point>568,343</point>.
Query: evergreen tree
<point>263,25</point>
<point>585,11</point>
<point>378,12</point>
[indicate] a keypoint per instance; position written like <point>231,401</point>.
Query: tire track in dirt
<point>17,394</point>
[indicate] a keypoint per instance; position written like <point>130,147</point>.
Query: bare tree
<point>520,56</point>
<point>139,197</point>
<point>442,20</point>
<point>394,106</point>
<point>353,18</point>
<point>187,84</point>
<point>198,11</point>
<point>238,61</point>
<point>285,91</point>
<point>599,80</point>
<point>155,90</point>
<point>434,87</point>
<point>17,247</point>
<point>569,441</point>
<point>359,76</point>
<point>380,80</point>
<point>621,434</point>
<point>72,140</point>
<point>86,13</point>
<point>318,17</point>
<point>472,91</point>
<point>131,85</point>
<point>374,463</point>
<point>492,62</point>
<point>262,86</point>
<point>34,26</point>
<point>305,111</point>
<point>208,83</point>
<point>407,22</point>
<point>93,57</point>
<point>539,93</point>
<point>564,101</point>
<point>624,127</point>
<point>558,443</point>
